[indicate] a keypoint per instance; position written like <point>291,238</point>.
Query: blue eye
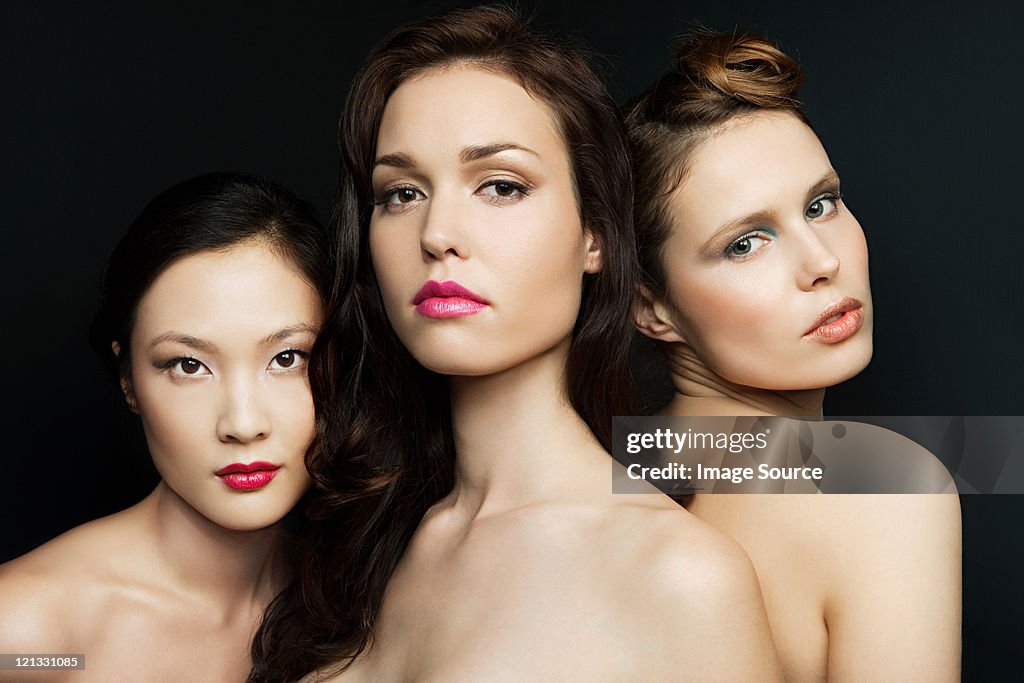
<point>822,206</point>
<point>745,246</point>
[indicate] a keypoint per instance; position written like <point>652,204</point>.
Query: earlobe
<point>594,257</point>
<point>653,318</point>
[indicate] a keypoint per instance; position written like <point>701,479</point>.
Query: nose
<point>819,263</point>
<point>243,417</point>
<point>443,233</point>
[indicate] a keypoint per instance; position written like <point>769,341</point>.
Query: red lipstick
<point>447,299</point>
<point>837,322</point>
<point>242,477</point>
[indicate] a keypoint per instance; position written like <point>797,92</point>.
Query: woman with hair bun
<point>755,279</point>
<point>467,530</point>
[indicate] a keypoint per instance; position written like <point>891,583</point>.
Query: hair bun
<point>741,66</point>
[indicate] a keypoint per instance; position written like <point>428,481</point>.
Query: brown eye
<point>185,366</point>
<point>401,195</point>
<point>503,191</point>
<point>288,360</point>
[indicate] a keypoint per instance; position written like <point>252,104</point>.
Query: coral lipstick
<point>447,299</point>
<point>838,322</point>
<point>243,477</point>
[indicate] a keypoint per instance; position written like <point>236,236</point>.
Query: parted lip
<point>844,305</point>
<point>238,467</point>
<point>444,290</point>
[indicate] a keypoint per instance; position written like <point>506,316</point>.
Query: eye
<point>746,245</point>
<point>822,206</point>
<point>288,360</point>
<point>399,199</point>
<point>500,191</point>
<point>186,366</point>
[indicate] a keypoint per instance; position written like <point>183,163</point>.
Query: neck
<point>701,391</point>
<point>235,569</point>
<point>518,441</point>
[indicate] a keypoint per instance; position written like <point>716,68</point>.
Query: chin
<point>458,364</point>
<point>850,364</point>
<point>245,523</point>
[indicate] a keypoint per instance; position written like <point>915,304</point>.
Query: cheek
<point>176,421</point>
<point>725,307</point>
<point>293,415</point>
<point>391,256</point>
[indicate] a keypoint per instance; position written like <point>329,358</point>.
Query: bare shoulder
<point>48,594</point>
<point>884,460</point>
<point>683,558</point>
<point>693,589</point>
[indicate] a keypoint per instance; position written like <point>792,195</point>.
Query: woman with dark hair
<point>476,356</point>
<point>209,308</point>
<point>755,280</point>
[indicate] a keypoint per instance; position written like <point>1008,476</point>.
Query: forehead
<point>246,289</point>
<point>761,161</point>
<point>445,110</point>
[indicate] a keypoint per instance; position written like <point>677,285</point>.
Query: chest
<point>496,610</point>
<point>137,644</point>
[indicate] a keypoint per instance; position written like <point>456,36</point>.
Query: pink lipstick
<point>447,299</point>
<point>243,477</point>
<point>837,322</point>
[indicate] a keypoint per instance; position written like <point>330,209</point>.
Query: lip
<point>247,477</point>
<point>447,299</point>
<point>851,317</point>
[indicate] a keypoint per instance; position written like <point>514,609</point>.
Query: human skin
<point>857,587</point>
<point>173,587</point>
<point>739,322</point>
<point>530,569</point>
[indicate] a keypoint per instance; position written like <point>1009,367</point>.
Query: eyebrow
<point>286,332</point>
<point>209,347</point>
<point>468,154</point>
<point>477,152</point>
<point>830,179</point>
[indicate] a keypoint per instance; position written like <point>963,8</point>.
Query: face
<point>476,237</point>
<point>766,268</point>
<point>218,375</point>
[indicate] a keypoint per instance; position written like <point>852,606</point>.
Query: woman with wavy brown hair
<point>755,281</point>
<point>476,352</point>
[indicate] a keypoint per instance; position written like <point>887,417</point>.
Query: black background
<point>104,106</point>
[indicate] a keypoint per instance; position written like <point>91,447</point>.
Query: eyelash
<point>729,252</point>
<point>498,200</point>
<point>835,197</point>
<point>178,360</point>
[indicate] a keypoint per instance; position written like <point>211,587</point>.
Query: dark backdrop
<point>104,106</point>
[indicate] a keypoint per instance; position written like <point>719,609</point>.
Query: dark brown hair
<point>388,450</point>
<point>214,211</point>
<point>716,78</point>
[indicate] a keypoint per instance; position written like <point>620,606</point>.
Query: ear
<point>654,318</point>
<point>594,256</point>
<point>125,382</point>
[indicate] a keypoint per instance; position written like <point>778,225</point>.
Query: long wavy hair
<point>387,448</point>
